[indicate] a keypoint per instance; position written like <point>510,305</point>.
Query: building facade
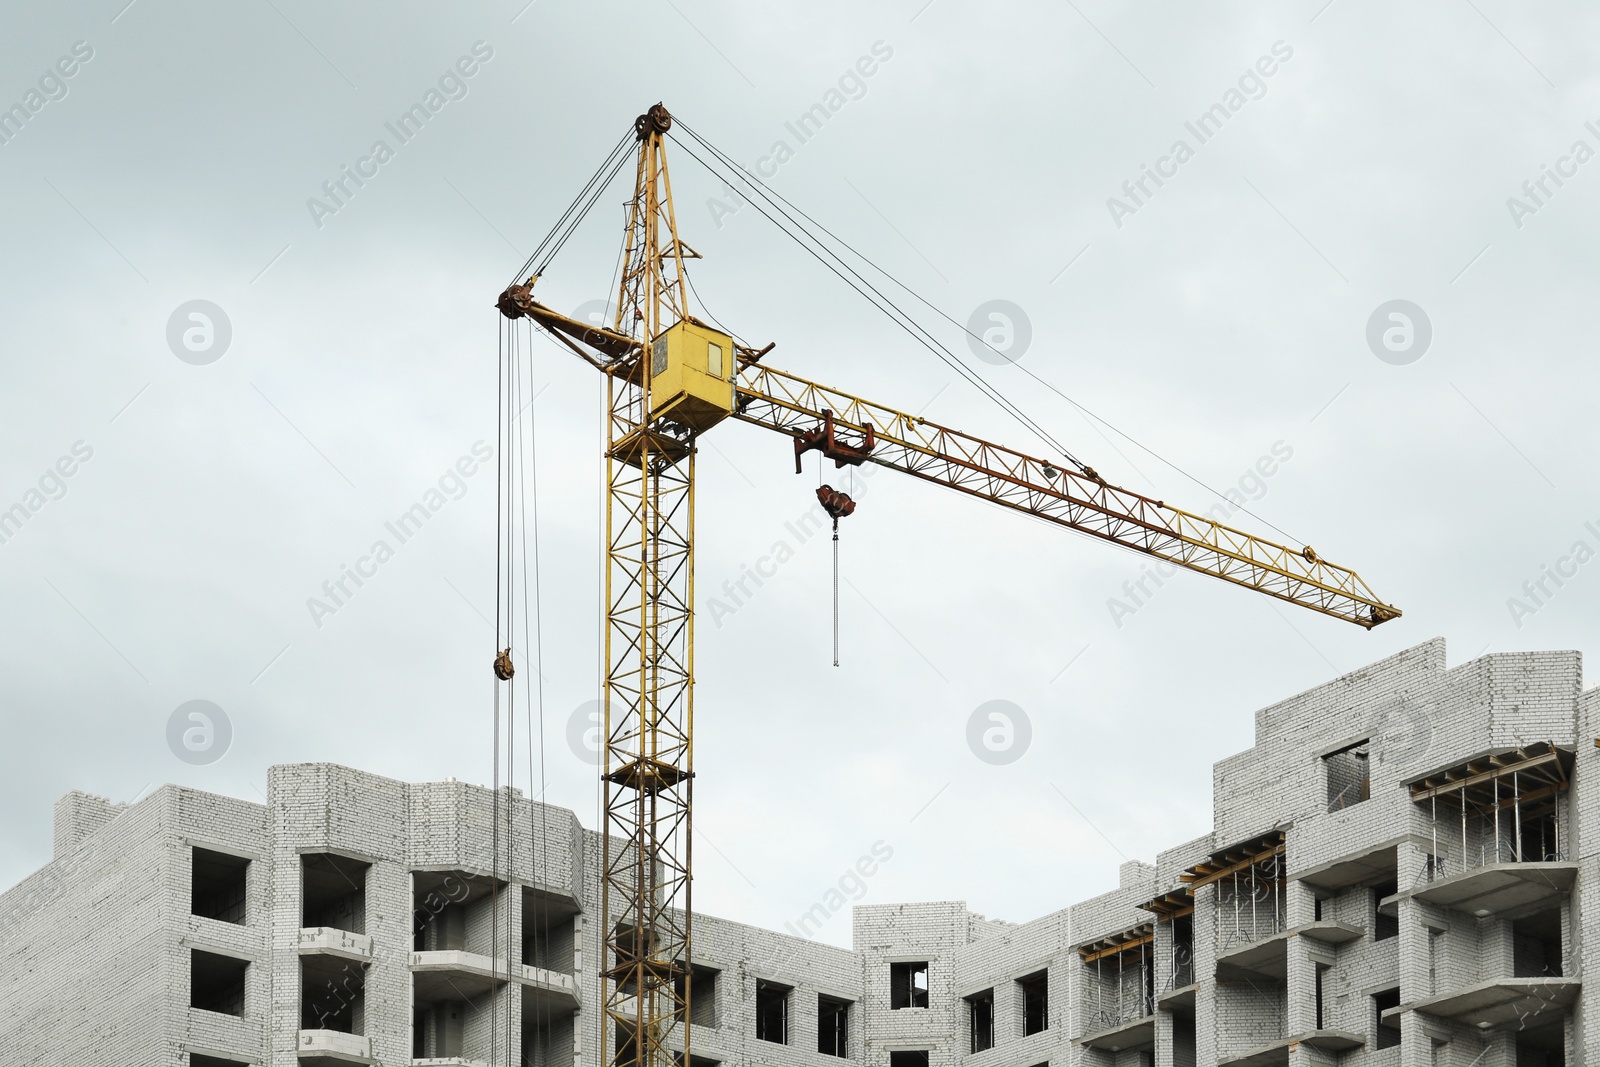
<point>1398,875</point>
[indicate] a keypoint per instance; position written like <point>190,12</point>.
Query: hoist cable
<point>764,190</point>
<point>835,592</point>
<point>522,542</point>
<point>494,904</point>
<point>540,837</point>
<point>572,228</point>
<point>822,253</point>
<point>588,191</point>
<point>567,220</point>
<point>499,477</point>
<point>514,399</point>
<point>883,302</point>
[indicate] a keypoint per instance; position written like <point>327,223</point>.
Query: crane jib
<point>807,411</point>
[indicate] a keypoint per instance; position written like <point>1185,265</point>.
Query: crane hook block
<point>836,504</point>
<point>657,120</point>
<point>503,669</point>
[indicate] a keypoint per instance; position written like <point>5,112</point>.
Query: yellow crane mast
<point>671,377</point>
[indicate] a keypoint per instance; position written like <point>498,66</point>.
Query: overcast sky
<point>1368,154</point>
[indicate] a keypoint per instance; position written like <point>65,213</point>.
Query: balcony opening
<point>333,892</point>
<point>216,982</point>
<point>1502,807</point>
<point>1172,969</point>
<point>1543,1046</point>
<point>914,1058</point>
<point>980,1019</point>
<point>1539,835</point>
<point>833,1026</point>
<point>548,1034</point>
<point>549,931</point>
<point>1348,775</point>
<point>1250,901</point>
<point>627,1046</point>
<point>332,994</point>
<point>1181,972</point>
<point>629,945</point>
<point>1319,981</point>
<point>772,1011</point>
<point>1118,983</point>
<point>217,884</point>
<point>1388,1030</point>
<point>1385,917</point>
<point>700,986</point>
<point>1536,945</point>
<point>908,985</point>
<point>1183,1039</point>
<point>1434,938</point>
<point>438,1030</point>
<point>1035,989</point>
<point>452,911</point>
<point>197,1060</point>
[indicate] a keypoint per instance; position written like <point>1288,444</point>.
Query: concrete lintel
<point>190,841</point>
<point>231,951</point>
<point>220,1054</point>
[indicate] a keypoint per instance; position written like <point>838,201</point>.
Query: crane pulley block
<point>653,123</point>
<point>503,667</point>
<point>824,439</point>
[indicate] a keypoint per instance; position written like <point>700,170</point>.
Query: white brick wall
<point>95,947</point>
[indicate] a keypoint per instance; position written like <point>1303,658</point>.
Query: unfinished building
<point>1397,875</point>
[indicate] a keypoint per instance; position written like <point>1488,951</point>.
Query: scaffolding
<point>1501,807</point>
<point>1121,968</point>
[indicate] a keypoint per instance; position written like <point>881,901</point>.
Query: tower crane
<point>670,377</point>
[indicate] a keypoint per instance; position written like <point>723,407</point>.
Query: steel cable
<point>764,189</point>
